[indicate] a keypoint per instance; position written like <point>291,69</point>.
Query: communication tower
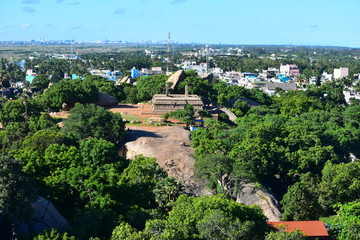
<point>168,54</point>
<point>207,59</point>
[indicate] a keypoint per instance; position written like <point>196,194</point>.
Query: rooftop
<point>309,228</point>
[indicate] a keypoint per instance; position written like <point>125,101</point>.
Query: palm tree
<point>3,77</point>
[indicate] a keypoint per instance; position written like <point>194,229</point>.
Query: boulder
<point>106,100</point>
<point>125,79</point>
<point>175,78</point>
<point>156,119</point>
<point>45,217</point>
<point>208,76</point>
<point>264,198</point>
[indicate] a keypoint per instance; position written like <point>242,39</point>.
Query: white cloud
<point>178,1</point>
<point>26,25</point>
<point>74,3</point>
<point>28,9</point>
<point>30,1</point>
<point>120,11</point>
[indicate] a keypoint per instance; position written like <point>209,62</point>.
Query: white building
<point>326,77</point>
<point>341,72</point>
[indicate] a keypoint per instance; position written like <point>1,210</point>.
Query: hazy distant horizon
<point>229,22</point>
<point>84,42</point>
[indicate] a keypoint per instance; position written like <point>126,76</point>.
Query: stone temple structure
<point>163,103</point>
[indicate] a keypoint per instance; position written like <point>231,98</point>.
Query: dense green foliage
<point>346,225</point>
<point>17,191</point>
<point>303,145</point>
<point>283,235</point>
<point>207,217</point>
<point>93,121</point>
<point>300,146</point>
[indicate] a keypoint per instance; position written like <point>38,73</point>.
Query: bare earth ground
<point>140,112</point>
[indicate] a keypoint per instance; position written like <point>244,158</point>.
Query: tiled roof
<point>309,228</point>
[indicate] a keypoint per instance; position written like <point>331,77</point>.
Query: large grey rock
<point>175,78</point>
<point>171,147</point>
<point>264,198</point>
<point>45,217</point>
<point>106,100</point>
<point>208,76</point>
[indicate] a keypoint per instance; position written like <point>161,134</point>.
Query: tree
<point>240,108</point>
<point>139,179</point>
<point>210,140</point>
<point>216,169</point>
<point>97,152</point>
<point>283,235</point>
<point>166,192</point>
<point>44,121</point>
<point>125,231</point>
<point>15,111</point>
<point>346,225</point>
<point>186,115</point>
<point>300,203</point>
<point>103,85</point>
<point>41,82</point>
<point>42,139</point>
<point>54,235</point>
<point>214,217</point>
<point>69,92</point>
<point>340,183</point>
<point>17,191</point>
<point>12,134</point>
<point>147,87</point>
<point>294,103</point>
<point>93,121</point>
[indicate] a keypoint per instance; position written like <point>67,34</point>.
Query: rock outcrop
<point>106,100</point>
<point>171,148</point>
<point>45,216</point>
<point>126,80</point>
<point>208,76</point>
<point>175,78</point>
<point>264,198</point>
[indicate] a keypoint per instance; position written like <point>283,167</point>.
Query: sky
<point>296,22</point>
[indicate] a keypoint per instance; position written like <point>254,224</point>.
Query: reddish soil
<point>141,111</point>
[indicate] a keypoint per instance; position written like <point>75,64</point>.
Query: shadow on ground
<point>132,135</point>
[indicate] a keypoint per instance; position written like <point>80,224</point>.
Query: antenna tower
<point>207,59</point>
<point>72,49</point>
<point>168,54</point>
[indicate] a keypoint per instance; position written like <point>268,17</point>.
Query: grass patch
<point>327,219</point>
<point>130,117</point>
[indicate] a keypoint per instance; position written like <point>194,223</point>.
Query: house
<point>232,77</point>
<point>152,71</point>
<point>311,229</point>
<point>271,87</point>
<point>270,73</point>
<point>30,75</point>
<point>341,73</point>
<point>290,70</point>
<point>326,77</point>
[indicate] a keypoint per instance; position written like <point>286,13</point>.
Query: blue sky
<point>298,22</point>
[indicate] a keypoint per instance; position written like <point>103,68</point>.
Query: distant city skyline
<point>242,22</point>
